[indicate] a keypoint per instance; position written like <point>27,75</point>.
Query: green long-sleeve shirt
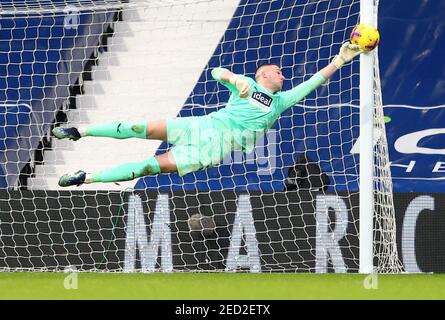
<point>258,112</point>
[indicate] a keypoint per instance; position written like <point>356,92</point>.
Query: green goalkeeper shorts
<point>198,143</point>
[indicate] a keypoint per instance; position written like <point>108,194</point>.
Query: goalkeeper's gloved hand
<point>347,52</point>
<point>242,85</point>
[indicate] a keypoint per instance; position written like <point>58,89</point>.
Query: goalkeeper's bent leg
<point>127,171</point>
<point>117,130</point>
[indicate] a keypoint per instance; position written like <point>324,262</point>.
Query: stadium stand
<point>41,61</point>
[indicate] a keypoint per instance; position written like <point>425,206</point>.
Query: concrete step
<point>161,73</point>
<point>86,102</point>
<point>144,87</point>
<point>60,145</point>
<point>53,158</point>
<point>135,101</point>
<point>155,33</point>
<point>189,58</point>
<point>158,97</point>
<point>77,116</point>
<point>171,12</point>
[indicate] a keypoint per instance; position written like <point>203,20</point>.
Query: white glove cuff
<point>338,61</point>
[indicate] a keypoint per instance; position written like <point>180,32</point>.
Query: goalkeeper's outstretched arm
<point>233,81</point>
<point>347,52</point>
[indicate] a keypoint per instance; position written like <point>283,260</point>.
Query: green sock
<point>118,130</point>
<point>128,171</point>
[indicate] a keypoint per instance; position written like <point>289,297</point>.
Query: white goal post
<point>377,215</point>
<point>315,195</point>
<point>367,105</point>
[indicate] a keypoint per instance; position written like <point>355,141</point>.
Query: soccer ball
<point>366,36</point>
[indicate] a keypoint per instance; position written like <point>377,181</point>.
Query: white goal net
<point>292,205</point>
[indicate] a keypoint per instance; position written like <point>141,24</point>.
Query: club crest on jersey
<point>261,100</point>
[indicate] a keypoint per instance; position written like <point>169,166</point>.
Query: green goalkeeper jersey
<point>254,115</point>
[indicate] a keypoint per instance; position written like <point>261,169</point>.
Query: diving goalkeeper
<point>203,141</point>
